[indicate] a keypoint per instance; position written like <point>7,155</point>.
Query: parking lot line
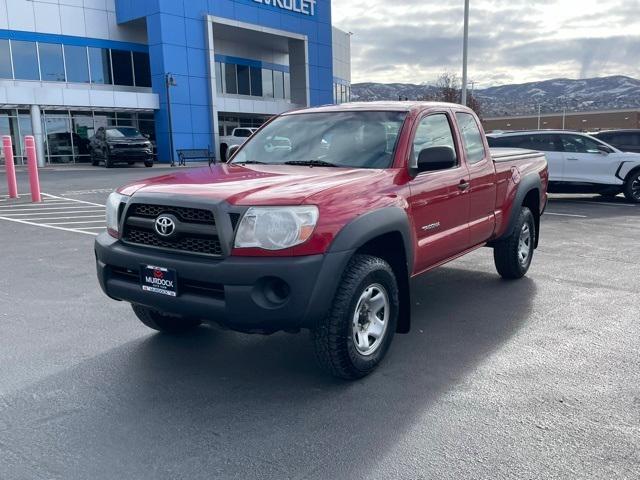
<point>84,222</point>
<point>67,218</point>
<point>53,227</point>
<point>72,215</point>
<point>93,210</point>
<point>565,215</point>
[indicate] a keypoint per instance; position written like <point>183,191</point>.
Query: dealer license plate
<point>160,280</point>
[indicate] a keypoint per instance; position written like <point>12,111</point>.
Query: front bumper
<point>234,291</point>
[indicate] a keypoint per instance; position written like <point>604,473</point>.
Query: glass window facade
<point>142,69</point>
<point>77,64</point>
<point>341,93</point>
<point>55,62</point>
<point>51,62</point>
<point>25,60</point>
<point>5,60</point>
<point>67,134</point>
<point>100,65</point>
<point>122,63</point>
<point>252,81</point>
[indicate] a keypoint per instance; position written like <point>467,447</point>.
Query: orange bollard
<point>10,166</point>
<point>32,160</point>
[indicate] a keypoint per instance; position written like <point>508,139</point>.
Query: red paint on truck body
<point>468,218</point>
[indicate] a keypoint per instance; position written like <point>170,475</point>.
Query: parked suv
<point>579,163</point>
<point>326,231</point>
<point>625,140</point>
<point>113,145</point>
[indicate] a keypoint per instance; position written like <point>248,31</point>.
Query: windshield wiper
<point>311,163</point>
<point>250,162</point>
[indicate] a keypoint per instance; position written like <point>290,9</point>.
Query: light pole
<point>465,52</point>
<point>170,82</point>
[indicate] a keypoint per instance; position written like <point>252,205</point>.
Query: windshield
<point>337,139</point>
<point>123,133</point>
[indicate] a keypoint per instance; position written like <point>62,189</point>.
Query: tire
<point>108,162</point>
<point>632,187</point>
<point>508,253</point>
<point>148,163</point>
<point>164,323</point>
<point>223,152</point>
<point>341,337</point>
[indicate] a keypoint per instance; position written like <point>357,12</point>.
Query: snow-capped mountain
<point>607,93</point>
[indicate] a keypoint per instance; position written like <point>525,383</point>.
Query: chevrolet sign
<point>306,7</point>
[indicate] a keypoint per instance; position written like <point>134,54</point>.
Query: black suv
<point>120,145</point>
<point>625,140</point>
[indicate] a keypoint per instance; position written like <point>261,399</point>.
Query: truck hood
<point>256,184</point>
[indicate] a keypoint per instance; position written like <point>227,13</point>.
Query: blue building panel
<point>177,37</point>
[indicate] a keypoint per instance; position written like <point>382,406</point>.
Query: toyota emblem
<point>165,226</point>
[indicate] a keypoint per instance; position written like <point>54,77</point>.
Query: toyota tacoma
<point>326,231</point>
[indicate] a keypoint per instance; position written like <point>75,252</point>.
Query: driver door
<point>584,163</point>
<point>439,201</point>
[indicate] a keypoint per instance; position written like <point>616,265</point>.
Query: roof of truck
<point>378,106</point>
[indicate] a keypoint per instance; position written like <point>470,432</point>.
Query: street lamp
<point>170,82</point>
<point>465,52</point>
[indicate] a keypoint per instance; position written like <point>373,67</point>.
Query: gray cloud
<point>510,40</point>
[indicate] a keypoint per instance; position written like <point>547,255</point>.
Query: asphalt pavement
<point>533,379</point>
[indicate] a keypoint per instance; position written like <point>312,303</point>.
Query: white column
<point>36,127</point>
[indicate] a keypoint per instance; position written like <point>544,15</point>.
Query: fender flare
<point>527,184</point>
<point>373,224</point>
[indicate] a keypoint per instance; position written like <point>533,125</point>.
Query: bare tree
<point>447,89</point>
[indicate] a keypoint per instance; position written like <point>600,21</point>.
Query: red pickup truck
<point>320,221</point>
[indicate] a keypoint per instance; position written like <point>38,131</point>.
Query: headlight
<point>113,209</point>
<point>276,228</point>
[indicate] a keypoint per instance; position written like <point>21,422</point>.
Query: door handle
<point>572,159</point>
<point>464,185</point>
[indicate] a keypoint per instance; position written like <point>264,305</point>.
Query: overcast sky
<point>510,40</point>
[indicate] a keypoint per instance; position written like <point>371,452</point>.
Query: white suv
<point>579,163</point>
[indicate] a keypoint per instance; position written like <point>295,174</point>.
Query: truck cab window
<point>471,137</point>
<point>433,131</point>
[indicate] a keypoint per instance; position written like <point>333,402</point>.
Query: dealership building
<point>70,67</point>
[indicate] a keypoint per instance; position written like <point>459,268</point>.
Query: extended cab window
<point>350,139</point>
<point>471,137</point>
<point>433,131</point>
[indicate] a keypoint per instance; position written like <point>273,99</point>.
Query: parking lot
<point>537,378</point>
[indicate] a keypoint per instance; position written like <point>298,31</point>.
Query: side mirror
<point>232,151</point>
<point>437,158</point>
<point>604,150</point>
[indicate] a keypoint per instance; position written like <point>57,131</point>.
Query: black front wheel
<point>353,338</point>
<point>148,163</point>
<point>513,255</point>
<point>163,322</point>
<point>632,187</point>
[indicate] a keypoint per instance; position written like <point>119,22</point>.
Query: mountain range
<point>605,93</point>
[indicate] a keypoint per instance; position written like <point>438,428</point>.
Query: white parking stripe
<point>45,209</point>
<point>67,218</point>
<point>49,213</point>
<point>588,202</point>
<point>565,215</point>
<point>84,222</point>
<point>77,201</point>
<point>79,216</point>
<point>44,225</point>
